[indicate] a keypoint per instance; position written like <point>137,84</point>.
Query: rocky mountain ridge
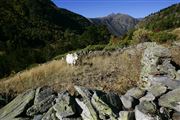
<point>158,100</point>
<point>118,24</point>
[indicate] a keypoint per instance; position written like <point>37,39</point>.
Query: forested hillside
<point>164,19</point>
<point>34,31</point>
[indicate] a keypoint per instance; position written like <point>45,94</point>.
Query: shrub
<point>162,37</point>
<point>141,35</point>
<point>94,47</point>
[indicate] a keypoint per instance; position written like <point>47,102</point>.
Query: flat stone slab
<point>17,106</point>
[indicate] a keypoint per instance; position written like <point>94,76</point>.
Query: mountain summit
<point>118,24</point>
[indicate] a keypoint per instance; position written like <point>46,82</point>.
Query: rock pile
<point>158,67</point>
<point>156,103</point>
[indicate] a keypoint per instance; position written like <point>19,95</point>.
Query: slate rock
<point>88,111</point>
<point>157,90</point>
<point>103,109</point>
<point>135,92</point>
<point>128,102</point>
<point>17,106</point>
<point>41,107</point>
<point>50,115</point>
<point>113,100</point>
<point>37,117</point>
<point>126,115</point>
<point>65,106</point>
<point>84,92</point>
<point>171,100</point>
<point>166,81</point>
<point>42,93</point>
<point>146,111</point>
<point>147,97</point>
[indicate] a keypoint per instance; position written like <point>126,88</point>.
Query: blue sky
<point>99,8</point>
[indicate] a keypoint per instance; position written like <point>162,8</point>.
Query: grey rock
<point>50,115</point>
<point>88,112</point>
<point>165,113</point>
<point>128,101</point>
<point>126,115</point>
<point>20,118</point>
<point>117,24</point>
<point>146,111</point>
<point>156,60</point>
<point>17,106</point>
<point>42,93</point>
<point>41,107</point>
<point>84,92</point>
<point>103,109</point>
<point>157,90</point>
<point>65,106</point>
<point>135,92</point>
<point>37,117</point>
<point>176,116</point>
<point>113,100</point>
<point>147,97</point>
<point>171,100</point>
<point>166,81</point>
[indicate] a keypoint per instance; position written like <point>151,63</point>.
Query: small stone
<point>113,100</point>
<point>37,117</point>
<point>147,97</point>
<point>157,90</point>
<point>171,100</point>
<point>103,109</point>
<point>88,112</point>
<point>42,93</point>
<point>50,115</point>
<point>128,101</point>
<point>146,111</point>
<point>41,107</point>
<point>126,115</point>
<point>135,92</point>
<point>65,106</point>
<point>166,81</point>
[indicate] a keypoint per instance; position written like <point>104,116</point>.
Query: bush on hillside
<point>162,37</point>
<point>141,35</point>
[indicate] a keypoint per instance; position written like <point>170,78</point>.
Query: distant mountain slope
<point>118,24</point>
<point>34,31</point>
<point>164,19</point>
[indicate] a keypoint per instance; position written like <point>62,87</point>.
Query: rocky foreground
<point>158,99</point>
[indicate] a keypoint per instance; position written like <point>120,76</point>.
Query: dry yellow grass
<point>115,73</point>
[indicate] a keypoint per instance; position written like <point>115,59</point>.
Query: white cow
<point>71,58</point>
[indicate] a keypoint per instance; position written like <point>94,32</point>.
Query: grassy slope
<point>115,73</point>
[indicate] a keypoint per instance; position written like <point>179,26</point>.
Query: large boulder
<point>171,100</point>
<point>17,106</point>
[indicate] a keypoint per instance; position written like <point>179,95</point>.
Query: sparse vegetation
<point>115,73</point>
